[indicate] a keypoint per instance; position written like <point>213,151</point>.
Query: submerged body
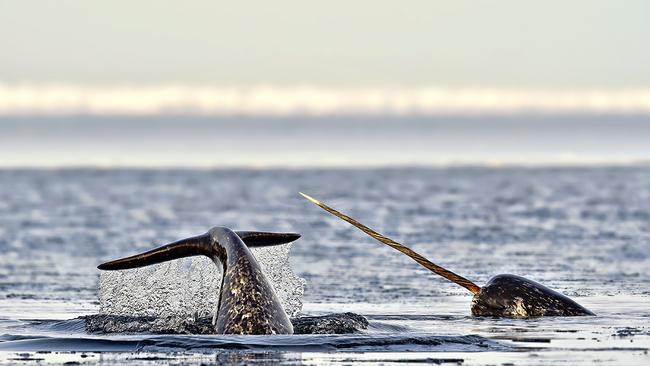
<point>247,302</point>
<point>513,296</point>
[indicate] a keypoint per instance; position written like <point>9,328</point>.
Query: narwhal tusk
<point>451,276</point>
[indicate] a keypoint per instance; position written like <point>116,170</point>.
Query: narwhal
<point>247,302</point>
<point>504,295</point>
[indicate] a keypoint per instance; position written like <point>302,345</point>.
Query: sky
<point>555,44</point>
<point>380,78</point>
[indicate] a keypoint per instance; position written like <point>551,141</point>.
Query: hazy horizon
<point>329,141</point>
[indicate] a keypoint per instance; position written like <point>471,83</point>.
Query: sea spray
<point>188,288</point>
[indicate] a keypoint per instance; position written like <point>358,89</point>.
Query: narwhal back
<point>508,295</point>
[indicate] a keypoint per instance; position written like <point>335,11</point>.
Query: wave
<point>340,331</point>
<point>313,343</point>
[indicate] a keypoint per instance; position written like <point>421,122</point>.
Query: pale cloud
<point>58,99</point>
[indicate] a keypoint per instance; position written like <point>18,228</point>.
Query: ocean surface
<point>582,231</point>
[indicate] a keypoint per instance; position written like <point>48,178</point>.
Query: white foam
<point>189,287</point>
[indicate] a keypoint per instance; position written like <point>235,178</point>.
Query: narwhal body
<point>247,302</point>
<point>513,296</point>
<point>503,296</point>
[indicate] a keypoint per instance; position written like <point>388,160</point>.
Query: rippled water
<point>585,232</point>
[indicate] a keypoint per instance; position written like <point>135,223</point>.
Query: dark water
<point>582,231</point>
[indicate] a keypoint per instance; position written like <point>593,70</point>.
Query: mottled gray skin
<point>517,297</point>
<point>247,304</point>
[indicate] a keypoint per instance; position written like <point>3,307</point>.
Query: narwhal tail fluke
<point>462,281</point>
<point>254,239</point>
<point>198,245</point>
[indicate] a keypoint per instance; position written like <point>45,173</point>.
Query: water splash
<point>188,288</point>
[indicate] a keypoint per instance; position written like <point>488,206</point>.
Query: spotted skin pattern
<point>512,296</point>
<point>248,304</point>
